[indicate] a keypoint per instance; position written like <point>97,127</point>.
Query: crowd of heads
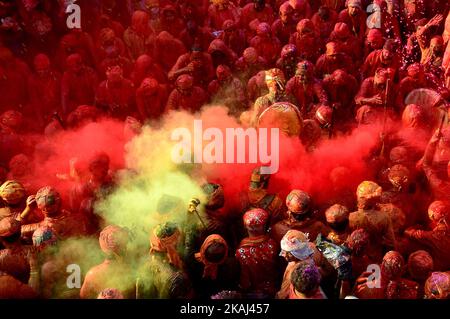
<point>360,207</point>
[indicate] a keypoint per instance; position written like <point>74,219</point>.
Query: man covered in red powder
<point>265,43</point>
<point>13,80</point>
<point>377,223</point>
<point>389,22</point>
<point>83,195</point>
<point>333,59</point>
<point>256,10</point>
<point>250,64</point>
<point>436,239</point>
<point>195,34</point>
<point>228,90</point>
<point>349,43</point>
<point>197,64</point>
<point>221,54</point>
<point>45,89</point>
<point>374,41</point>
<point>284,26</point>
<point>186,96</point>
<point>302,10</point>
<point>341,87</point>
<point>300,217</point>
<point>170,21</point>
<point>393,268</point>
<point>306,40</point>
<point>233,37</point>
<point>145,67</point>
<point>166,50</point>
<point>107,42</point>
<point>65,223</point>
<point>306,89</point>
<point>436,164</point>
<point>373,92</point>
<point>288,60</point>
<point>324,21</point>
<point>355,17</point>
<point>219,11</point>
<point>14,276</point>
<point>151,98</point>
<point>78,84</point>
<point>258,256</point>
<point>384,58</point>
<point>138,36</point>
<point>116,94</point>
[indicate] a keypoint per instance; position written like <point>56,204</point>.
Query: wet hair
<point>305,278</point>
<point>215,252</point>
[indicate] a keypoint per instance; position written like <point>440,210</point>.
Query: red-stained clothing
<point>217,17</point>
<point>65,225</point>
<point>306,96</point>
<point>246,70</point>
<point>436,242</point>
<point>268,48</point>
<point>116,99</point>
<point>351,46</point>
<point>324,27</point>
<point>137,44</point>
<point>151,106</point>
<point>151,70</point>
<point>167,50</point>
<point>248,14</point>
<point>230,93</point>
<point>173,27</point>
<point>78,89</point>
<point>45,95</point>
<point>357,24</point>
<point>108,62</point>
<point>76,42</point>
<point>308,48</point>
<point>258,259</point>
<point>236,41</point>
<point>369,90</point>
<point>257,86</point>
<point>379,226</point>
<point>203,71</point>
<point>326,66</point>
<point>13,84</point>
<point>334,4</point>
<point>409,84</point>
<point>403,289</point>
<point>11,288</point>
<point>191,103</point>
<point>375,60</point>
<point>342,93</point>
<point>311,226</point>
<point>202,38</point>
<point>282,31</point>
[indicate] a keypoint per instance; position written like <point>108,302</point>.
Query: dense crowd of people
<point>338,65</point>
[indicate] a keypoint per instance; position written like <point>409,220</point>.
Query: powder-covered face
<point>353,10</point>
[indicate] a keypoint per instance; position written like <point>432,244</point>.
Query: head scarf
<point>167,245</point>
<point>297,243</point>
<point>210,270</point>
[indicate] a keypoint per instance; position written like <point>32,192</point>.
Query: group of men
<point>341,65</point>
